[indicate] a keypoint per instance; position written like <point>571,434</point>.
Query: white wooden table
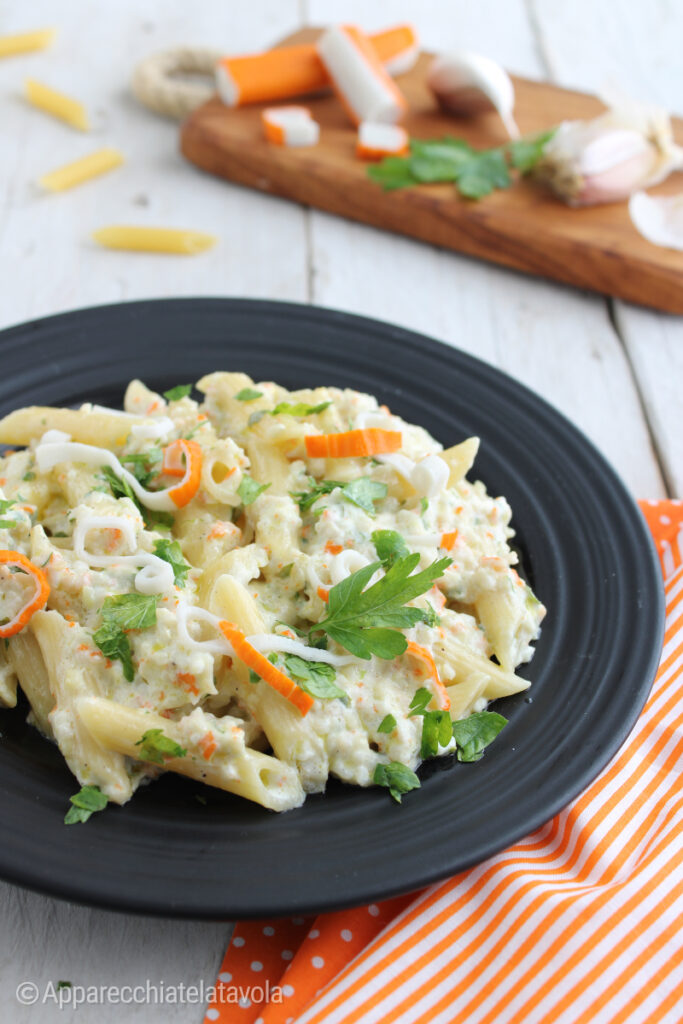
<point>615,370</point>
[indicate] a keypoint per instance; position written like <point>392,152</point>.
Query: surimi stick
<point>375,141</point>
<point>75,173</point>
<point>153,239</point>
<point>26,42</point>
<point>290,71</point>
<point>365,89</point>
<point>57,104</point>
<point>290,126</point>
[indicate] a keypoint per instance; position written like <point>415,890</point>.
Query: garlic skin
<point>607,159</point>
<point>468,83</point>
<point>658,218</point>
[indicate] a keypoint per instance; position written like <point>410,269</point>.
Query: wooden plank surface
<point>560,341</point>
<point>524,227</point>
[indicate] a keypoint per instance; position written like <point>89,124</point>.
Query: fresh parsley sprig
<point>368,622</point>
<point>362,492</point>
<point>314,677</point>
<point>249,489</point>
<point>178,392</point>
<point>398,779</point>
<point>475,173</point>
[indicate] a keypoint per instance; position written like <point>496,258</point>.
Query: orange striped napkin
<point>579,922</point>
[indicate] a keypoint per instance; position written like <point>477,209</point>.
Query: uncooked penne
<point>26,42</point>
<point>142,239</point>
<point>78,171</point>
<point>57,104</point>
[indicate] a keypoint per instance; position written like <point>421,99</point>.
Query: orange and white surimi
<point>290,126</point>
<point>365,88</point>
<point>289,71</point>
<point>375,141</point>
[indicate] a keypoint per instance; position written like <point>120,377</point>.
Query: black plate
<point>585,549</point>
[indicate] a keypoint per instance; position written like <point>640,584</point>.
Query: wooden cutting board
<point>524,227</point>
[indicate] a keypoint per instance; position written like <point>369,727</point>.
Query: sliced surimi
<point>290,126</point>
<point>290,71</point>
<point>363,85</point>
<point>376,141</point>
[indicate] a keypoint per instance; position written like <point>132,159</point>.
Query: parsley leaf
<point>397,778</point>
<point>249,489</point>
<point>418,704</point>
<point>389,546</point>
<point>474,733</point>
<point>178,392</point>
<point>392,172</point>
<point>437,730</point>
<point>314,677</point>
<point>298,409</point>
<point>8,524</point>
<point>305,499</point>
<point>29,476</point>
<point>119,614</point>
<point>368,622</point>
<point>388,724</point>
<point>363,492</point>
<point>131,611</point>
<point>154,746</point>
<point>248,395</point>
<point>6,504</point>
<point>172,553</point>
<point>256,417</point>
<point>84,803</point>
<point>157,519</point>
<point>429,616</point>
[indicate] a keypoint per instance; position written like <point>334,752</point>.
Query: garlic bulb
<point>658,218</point>
<point>467,83</point>
<point>607,159</point>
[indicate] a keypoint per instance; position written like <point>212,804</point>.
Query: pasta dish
<point>258,591</point>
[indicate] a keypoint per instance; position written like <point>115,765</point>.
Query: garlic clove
<point>658,218</point>
<point>468,83</point>
<point>607,159</point>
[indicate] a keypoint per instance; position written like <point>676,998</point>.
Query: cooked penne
<point>143,239</point>
<point>57,104</point>
<point>232,766</point>
<point>85,169</point>
<point>258,591</point>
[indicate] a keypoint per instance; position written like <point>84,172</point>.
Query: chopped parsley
<point>178,392</point>
<point>87,801</point>
<point>298,409</point>
<point>29,476</point>
<point>154,746</point>
<point>119,615</point>
<point>362,492</point>
<point>368,622</point>
<point>397,778</point>
<point>388,724</point>
<point>248,395</point>
<point>143,465</point>
<point>389,546</point>
<point>172,553</point>
<point>286,570</point>
<point>249,489</point>
<point>437,730</point>
<point>418,704</point>
<point>119,488</point>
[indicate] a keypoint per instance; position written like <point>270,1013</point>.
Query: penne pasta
<point>57,104</point>
<point>144,239</point>
<point>26,42</point>
<point>108,430</point>
<point>85,169</point>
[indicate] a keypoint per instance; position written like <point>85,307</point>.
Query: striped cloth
<point>579,922</point>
